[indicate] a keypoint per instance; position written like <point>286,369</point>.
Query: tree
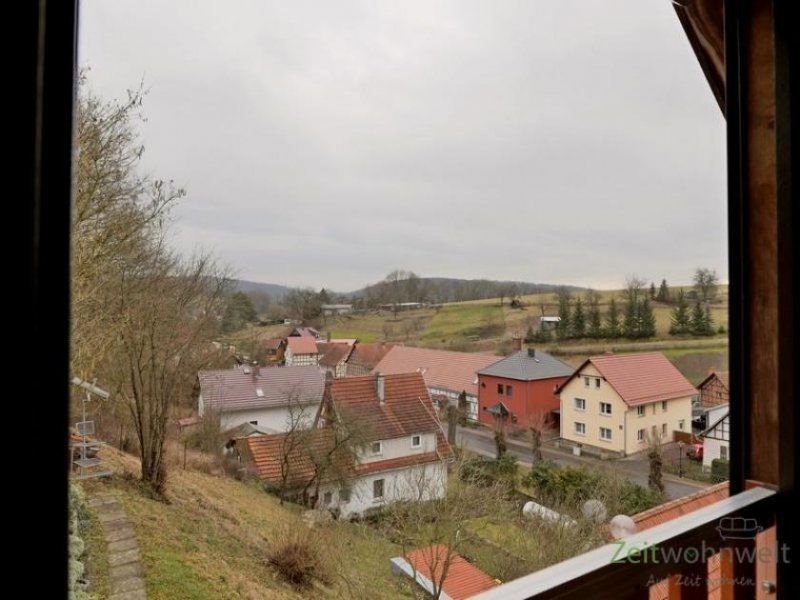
<point>652,290</point>
<point>663,292</point>
<point>302,303</point>
<point>647,319</point>
<point>701,323</point>
<point>595,321</point>
<point>705,282</point>
<point>655,457</point>
<point>680,321</point>
<point>613,330</point>
<point>462,408</point>
<point>239,311</point>
<point>538,424</point>
<point>564,327</point>
<point>632,323</point>
<point>578,320</point>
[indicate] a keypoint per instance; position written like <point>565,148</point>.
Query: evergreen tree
<point>680,319</point>
<point>595,324</point>
<point>530,335</point>
<point>578,320</point>
<point>564,327</point>
<point>630,323</point>
<point>652,290</point>
<point>612,320</point>
<point>663,292</point>
<point>700,322</point>
<point>647,319</point>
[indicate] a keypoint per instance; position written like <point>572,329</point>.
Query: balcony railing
<point>673,556</point>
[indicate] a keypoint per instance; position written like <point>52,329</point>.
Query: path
<point>127,580</point>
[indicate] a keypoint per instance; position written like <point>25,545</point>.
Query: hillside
<point>210,541</point>
<point>273,289</point>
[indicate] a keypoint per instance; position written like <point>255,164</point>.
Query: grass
<point>98,570</point>
<point>212,539</point>
<point>458,324</point>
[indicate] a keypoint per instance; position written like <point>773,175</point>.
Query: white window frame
<point>576,425</point>
<point>586,381</point>
<point>640,410</point>
<point>610,434</point>
<point>664,429</point>
<point>723,452</point>
<point>418,443</point>
<point>383,489</point>
<point>577,404</point>
<point>641,434</point>
<point>610,409</point>
<point>377,452</point>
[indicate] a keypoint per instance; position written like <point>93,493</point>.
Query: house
<point>525,383</point>
<point>716,439</point>
<point>446,373</point>
<point>365,357</point>
<point>274,349</point>
<point>461,581</point>
<point>333,357</point>
<point>715,389</point>
<point>301,351</point>
<point>548,323</point>
<point>616,404</point>
<point>397,450</point>
<point>332,310</point>
<point>270,398</point>
<point>305,332</point>
<point>400,306</point>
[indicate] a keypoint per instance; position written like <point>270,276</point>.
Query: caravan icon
<point>738,528</point>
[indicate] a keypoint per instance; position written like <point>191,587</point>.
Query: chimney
<point>256,369</point>
<point>380,387</point>
<point>532,352</point>
<point>711,370</point>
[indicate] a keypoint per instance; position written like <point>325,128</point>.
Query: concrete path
<point>127,579</point>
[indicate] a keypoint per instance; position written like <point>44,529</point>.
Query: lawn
<point>455,326</point>
<point>211,541</point>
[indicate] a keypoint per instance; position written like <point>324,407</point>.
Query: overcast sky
<point>326,143</point>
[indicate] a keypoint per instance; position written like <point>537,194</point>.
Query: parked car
<point>695,451</point>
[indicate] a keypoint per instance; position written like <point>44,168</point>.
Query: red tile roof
<point>454,371</point>
<point>369,355</point>
<point>724,378</point>
<point>302,345</point>
<point>233,389</point>
<point>463,579</point>
<point>640,378</point>
<point>272,344</point>
<point>406,410</point>
<point>333,353</point>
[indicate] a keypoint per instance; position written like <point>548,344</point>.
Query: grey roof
<point>523,367</point>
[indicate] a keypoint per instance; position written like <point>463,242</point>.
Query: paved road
<point>634,470</point>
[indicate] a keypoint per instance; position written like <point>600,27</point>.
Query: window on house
<point>377,489</point>
<point>253,422</point>
<point>640,435</point>
<point>597,383</point>
<point>376,447</point>
<point>640,411</point>
<point>586,381</point>
<point>344,494</point>
<point>416,441</point>
<point>580,404</point>
<point>663,406</point>
<point>605,433</point>
<point>580,428</point>
<point>723,452</point>
<point>500,388</point>
<point>654,409</point>
<point>327,498</point>
<point>605,408</point>
<point>681,424</point>
<point>663,429</point>
<point>509,390</point>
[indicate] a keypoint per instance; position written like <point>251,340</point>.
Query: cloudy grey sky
<point>326,143</point>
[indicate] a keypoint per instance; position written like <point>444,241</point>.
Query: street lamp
<point>680,459</point>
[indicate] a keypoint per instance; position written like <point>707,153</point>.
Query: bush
<point>720,470</point>
<point>299,558</point>
<point>486,472</point>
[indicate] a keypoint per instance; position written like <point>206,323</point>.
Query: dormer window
<point>376,448</point>
<point>416,441</point>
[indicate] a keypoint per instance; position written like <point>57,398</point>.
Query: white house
<point>301,351</point>
<point>402,455</point>
<point>329,310</point>
<point>269,398</point>
<point>716,438</point>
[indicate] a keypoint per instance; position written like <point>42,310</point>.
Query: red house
<point>521,386</point>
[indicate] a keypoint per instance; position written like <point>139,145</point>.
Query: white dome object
<point>622,526</point>
<point>594,510</point>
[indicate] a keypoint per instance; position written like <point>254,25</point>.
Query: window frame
<point>575,425</point>
<point>418,444</point>
<point>377,452</point>
<point>579,408</point>
<point>610,409</point>
<point>641,411</point>
<point>610,437</point>
<point>376,483</point>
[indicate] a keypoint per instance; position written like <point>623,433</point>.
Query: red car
<point>695,451</point>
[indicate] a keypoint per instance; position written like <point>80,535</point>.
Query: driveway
<point>636,470</point>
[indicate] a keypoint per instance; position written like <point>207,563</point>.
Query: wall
<point>528,397</point>
<point>300,360</point>
<point>711,450</point>
<point>678,409</point>
<point>398,447</point>
<point>275,418</point>
<point>428,481</point>
<point>714,393</point>
<point>452,397</point>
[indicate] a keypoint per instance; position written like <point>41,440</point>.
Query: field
<point>210,541</point>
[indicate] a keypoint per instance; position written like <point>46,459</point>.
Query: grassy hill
<point>211,541</point>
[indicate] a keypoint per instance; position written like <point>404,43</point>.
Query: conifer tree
<point>680,318</point>
<point>663,292</point>
<point>578,320</point>
<point>612,320</point>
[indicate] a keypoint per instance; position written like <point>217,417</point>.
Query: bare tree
<point>705,281</point>
<point>538,424</point>
<point>655,456</point>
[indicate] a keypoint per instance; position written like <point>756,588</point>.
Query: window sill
<point>580,434</point>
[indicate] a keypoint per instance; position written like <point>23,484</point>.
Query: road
<point>634,470</point>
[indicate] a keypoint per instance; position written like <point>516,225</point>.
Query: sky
<point>325,144</point>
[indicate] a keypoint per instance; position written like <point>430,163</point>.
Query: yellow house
<point>619,403</point>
